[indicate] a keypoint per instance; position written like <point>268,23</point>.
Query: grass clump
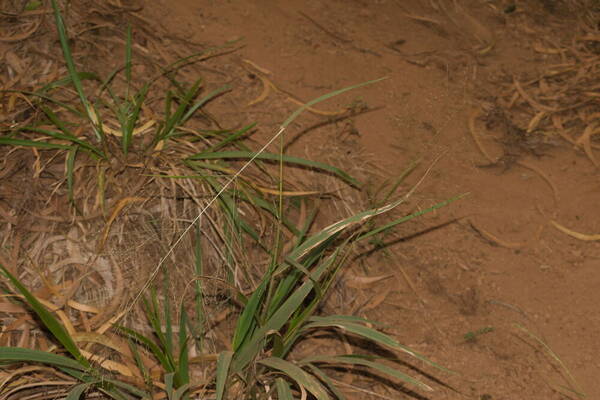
<point>277,309</point>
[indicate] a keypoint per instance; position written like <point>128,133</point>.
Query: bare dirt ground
<point>486,263</point>
<point>489,287</point>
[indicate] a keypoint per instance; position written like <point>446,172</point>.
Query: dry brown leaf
<point>23,35</point>
<point>585,141</point>
<point>543,176</point>
<point>264,93</point>
<point>535,121</point>
<point>576,235</point>
<point>532,102</point>
<point>108,310</point>
<point>365,282</point>
<point>494,239</point>
<point>472,117</point>
<point>117,209</point>
<point>12,308</point>
<point>107,364</point>
<point>376,300</point>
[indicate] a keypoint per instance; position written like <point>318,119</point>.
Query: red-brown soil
<point>531,274</point>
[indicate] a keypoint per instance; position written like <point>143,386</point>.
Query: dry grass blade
<point>113,215</point>
<point>576,235</point>
<point>567,374</point>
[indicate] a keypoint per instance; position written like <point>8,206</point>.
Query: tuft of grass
<point>278,314</point>
<point>109,146</point>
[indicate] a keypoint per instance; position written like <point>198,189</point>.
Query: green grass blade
<point>296,373</point>
<point>153,314</point>
<point>411,167</point>
<point>311,103</point>
<point>230,139</point>
<point>343,319</point>
<point>131,118</point>
<point>172,121</point>
<point>169,378</point>
<point>51,323</point>
<point>67,80</point>
<point>93,150</point>
<point>203,101</point>
<point>284,392</point>
<point>20,354</point>
<point>71,173</point>
<point>199,328</point>
<point>153,347</point>
<point>325,234</point>
<point>223,363</point>
<point>183,372</point>
<point>369,334</point>
<point>411,216</point>
<point>64,43</point>
<point>56,121</point>
<point>168,320</point>
<point>325,379</point>
<point>364,361</point>
<point>280,317</point>
<point>128,63</point>
<point>246,322</point>
<point>77,390</point>
<point>291,278</point>
<point>229,208</point>
<point>226,155</point>
<point>32,143</point>
<point>110,387</point>
<point>137,358</point>
<point>181,392</point>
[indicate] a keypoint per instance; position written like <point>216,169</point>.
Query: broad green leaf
<point>296,373</point>
<point>51,323</point>
<point>223,363</point>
